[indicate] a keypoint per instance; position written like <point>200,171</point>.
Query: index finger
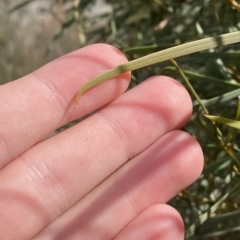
<point>42,101</point>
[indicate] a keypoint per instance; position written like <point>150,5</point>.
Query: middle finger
<point>58,172</point>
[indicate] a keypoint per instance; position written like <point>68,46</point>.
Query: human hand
<point>109,176</point>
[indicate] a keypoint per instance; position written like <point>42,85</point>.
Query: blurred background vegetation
<point>34,32</point>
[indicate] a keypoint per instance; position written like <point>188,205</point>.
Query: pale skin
<point>108,177</point>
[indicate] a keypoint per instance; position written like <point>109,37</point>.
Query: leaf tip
<point>79,94</point>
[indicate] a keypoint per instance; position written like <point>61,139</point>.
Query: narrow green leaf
<point>238,109</point>
<point>161,56</point>
<point>60,32</point>
<point>226,121</point>
<point>197,76</point>
<point>220,99</point>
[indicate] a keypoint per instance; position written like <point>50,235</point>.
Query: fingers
<point>156,222</point>
<point>41,102</point>
<point>156,175</point>
<point>56,173</point>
